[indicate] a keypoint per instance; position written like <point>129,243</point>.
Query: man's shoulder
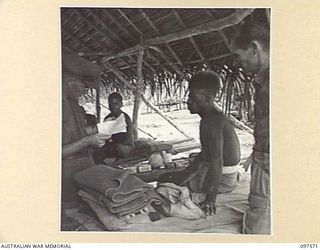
<point>216,118</point>
<point>108,116</point>
<point>126,116</point>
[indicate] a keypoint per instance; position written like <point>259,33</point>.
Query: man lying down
<point>214,170</point>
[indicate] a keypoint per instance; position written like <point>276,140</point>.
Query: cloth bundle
<point>179,203</point>
<point>119,192</point>
<point>147,147</point>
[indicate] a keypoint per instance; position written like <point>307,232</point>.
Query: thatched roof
<point>101,34</point>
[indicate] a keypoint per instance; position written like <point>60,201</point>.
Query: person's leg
<point>257,218</point>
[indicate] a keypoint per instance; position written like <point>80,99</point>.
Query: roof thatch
<point>101,35</point>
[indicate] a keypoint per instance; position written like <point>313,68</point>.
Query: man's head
<point>250,46</point>
<point>72,87</point>
<point>203,87</point>
<point>115,103</point>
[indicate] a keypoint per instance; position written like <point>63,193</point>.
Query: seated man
<point>121,145</point>
<point>214,170</point>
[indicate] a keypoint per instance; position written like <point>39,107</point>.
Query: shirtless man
<point>214,169</point>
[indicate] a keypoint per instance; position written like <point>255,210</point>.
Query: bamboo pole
<point>137,95</point>
<point>215,25</point>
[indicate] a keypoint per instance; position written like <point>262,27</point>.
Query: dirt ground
<point>159,128</point>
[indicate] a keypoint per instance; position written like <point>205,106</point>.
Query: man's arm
<point>215,159</point>
<point>95,140</point>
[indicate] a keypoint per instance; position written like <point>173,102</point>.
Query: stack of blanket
<point>118,192</point>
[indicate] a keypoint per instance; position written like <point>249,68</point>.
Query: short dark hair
<point>249,32</point>
<point>207,80</point>
<point>115,95</point>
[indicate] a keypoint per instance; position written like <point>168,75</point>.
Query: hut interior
<point>149,54</point>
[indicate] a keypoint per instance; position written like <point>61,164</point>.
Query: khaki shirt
<point>73,125</point>
<point>262,88</point>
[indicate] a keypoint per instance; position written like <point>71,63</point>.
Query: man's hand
<point>96,140</point>
<point>208,207</point>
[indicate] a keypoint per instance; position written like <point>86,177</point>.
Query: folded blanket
<point>112,222</point>
<point>124,208</point>
<point>116,184</point>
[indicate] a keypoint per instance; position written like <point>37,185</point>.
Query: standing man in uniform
<point>250,47</point>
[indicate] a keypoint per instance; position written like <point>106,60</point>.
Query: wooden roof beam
<point>189,62</point>
<point>137,47</point>
<point>130,22</point>
<point>159,33</point>
<point>126,31</point>
<point>70,34</point>
<point>165,57</point>
<point>110,32</point>
<point>98,31</point>
<point>221,33</point>
<point>216,25</point>
<point>191,38</point>
<point>98,20</point>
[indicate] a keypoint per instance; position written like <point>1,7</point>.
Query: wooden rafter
<point>126,31</point>
<point>105,35</point>
<point>221,33</point>
<point>219,24</point>
<point>99,31</point>
<point>215,25</point>
<point>191,62</point>
<point>141,35</point>
<point>190,38</point>
<point>130,22</point>
<point>165,57</point>
<point>159,33</point>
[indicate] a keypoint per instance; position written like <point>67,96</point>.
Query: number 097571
<point>308,245</point>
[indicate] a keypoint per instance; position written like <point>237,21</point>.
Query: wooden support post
<point>137,95</point>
